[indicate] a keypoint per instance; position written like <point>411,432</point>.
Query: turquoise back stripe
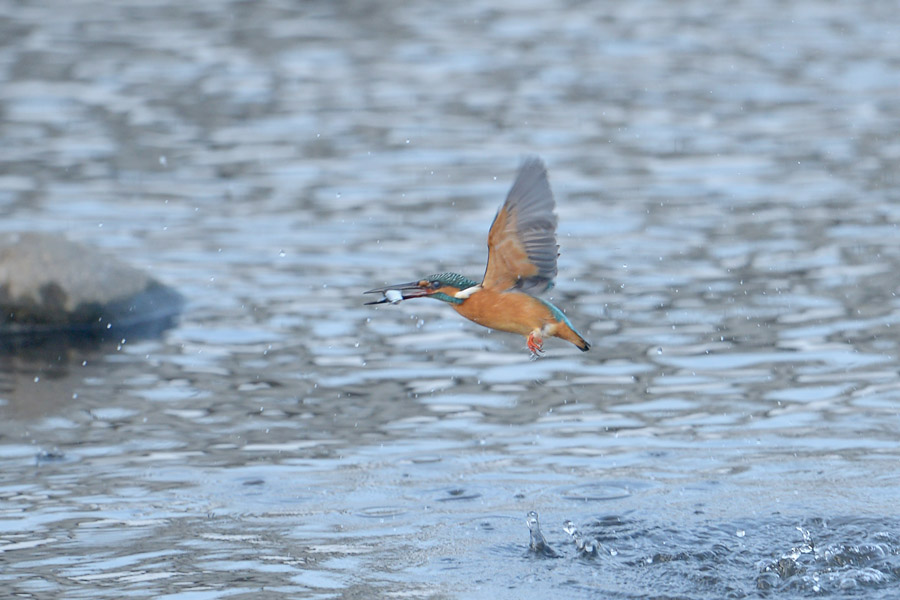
<point>559,316</point>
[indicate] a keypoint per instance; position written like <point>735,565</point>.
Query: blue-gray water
<point>725,179</point>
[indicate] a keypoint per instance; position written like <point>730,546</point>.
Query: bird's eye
<point>434,284</point>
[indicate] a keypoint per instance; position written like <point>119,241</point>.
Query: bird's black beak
<point>398,292</point>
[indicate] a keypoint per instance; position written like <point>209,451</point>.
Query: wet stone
<point>51,286</point>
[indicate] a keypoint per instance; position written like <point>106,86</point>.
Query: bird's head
<point>442,286</point>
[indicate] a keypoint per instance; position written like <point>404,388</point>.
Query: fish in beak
<point>398,293</point>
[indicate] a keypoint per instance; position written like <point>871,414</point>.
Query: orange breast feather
<point>514,312</point>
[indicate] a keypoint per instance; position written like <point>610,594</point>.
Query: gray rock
<point>49,284</point>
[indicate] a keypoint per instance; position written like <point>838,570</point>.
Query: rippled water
<point>728,212</point>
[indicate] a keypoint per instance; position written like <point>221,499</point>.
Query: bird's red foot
<point>535,344</point>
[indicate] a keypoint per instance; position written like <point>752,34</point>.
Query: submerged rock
<point>50,286</point>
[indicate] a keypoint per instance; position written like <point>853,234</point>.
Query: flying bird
<point>522,252</point>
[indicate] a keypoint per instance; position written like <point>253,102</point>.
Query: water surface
<point>728,223</point>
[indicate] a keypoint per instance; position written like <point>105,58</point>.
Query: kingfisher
<point>522,252</point>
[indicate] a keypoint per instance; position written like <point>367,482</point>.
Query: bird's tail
<point>568,333</point>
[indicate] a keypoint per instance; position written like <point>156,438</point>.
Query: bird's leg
<point>535,343</point>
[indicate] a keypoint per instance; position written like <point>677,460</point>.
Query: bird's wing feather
<point>522,246</point>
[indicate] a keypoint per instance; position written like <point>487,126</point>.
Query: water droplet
<point>659,350</point>
<point>282,254</point>
<point>740,533</point>
<point>37,379</point>
<point>162,160</point>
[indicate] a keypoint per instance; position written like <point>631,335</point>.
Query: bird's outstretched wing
<point>522,246</point>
